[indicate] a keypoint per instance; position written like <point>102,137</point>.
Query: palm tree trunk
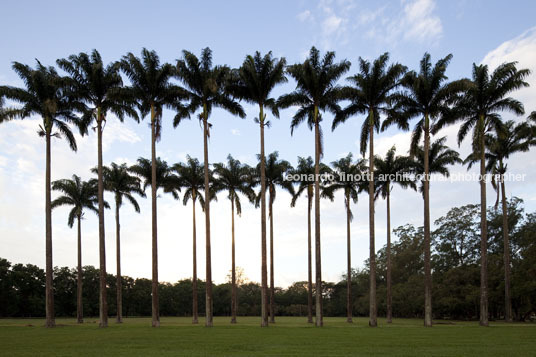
<point>118,284</point>
<point>427,254</point>
<point>373,311</point>
<point>208,304</point>
<point>506,242</point>
<point>389,294</point>
<point>264,273</point>
<point>155,306</point>
<point>233,271</point>
<point>49,290</point>
<point>103,302</point>
<point>319,313</point>
<point>195,318</point>
<point>348,262</point>
<point>79,303</point>
<point>309,258</point>
<point>272,292</point>
<point>483,232</point>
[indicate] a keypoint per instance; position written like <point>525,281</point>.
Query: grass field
<point>288,337</point>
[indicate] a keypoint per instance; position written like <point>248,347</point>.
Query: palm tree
<point>484,98</point>
<point>152,90</point>
<point>316,92</point>
<point>306,170</point>
<point>371,94</point>
<point>234,178</point>
<point>99,88</point>
<point>391,170</point>
<point>344,181</point>
<point>165,177</point>
<point>276,171</point>
<point>118,181</point>
<point>511,139</point>
<point>79,194</point>
<point>191,177</point>
<point>440,156</point>
<point>253,83</point>
<point>428,96</point>
<point>206,88</point>
<point>44,95</point>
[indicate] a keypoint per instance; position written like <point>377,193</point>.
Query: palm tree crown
<point>165,178</point>
<point>98,87</point>
<point>206,86</point>
<point>122,184</point>
<point>78,194</point>
<point>45,96</point>
<point>371,93</point>
<point>150,86</point>
<point>234,178</point>
<point>440,157</point>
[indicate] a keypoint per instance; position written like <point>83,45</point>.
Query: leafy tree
<point>391,170</point>
<point>234,177</point>
<point>123,185</point>
<point>351,184</point>
<point>316,91</point>
<point>99,89</point>
<point>253,82</point>
<point>44,95</point>
<point>371,93</point>
<point>206,86</point>
<point>479,108</point>
<point>456,238</point>
<point>78,194</point>
<point>152,90</point>
<point>306,170</point>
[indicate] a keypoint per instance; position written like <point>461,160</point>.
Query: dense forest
<point>455,258</point>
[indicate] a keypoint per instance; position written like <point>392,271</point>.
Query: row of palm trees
<point>384,93</point>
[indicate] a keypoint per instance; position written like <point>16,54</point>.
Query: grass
<point>290,336</point>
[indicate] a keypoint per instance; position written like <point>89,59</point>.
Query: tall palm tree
<point>511,139</point>
<point>44,96</point>
<point>123,185</point>
<point>346,170</point>
<point>152,90</point>
<point>428,96</point>
<point>235,178</point>
<point>192,178</point>
<point>253,82</point>
<point>306,170</point>
<point>391,170</point>
<point>479,108</point>
<point>206,86</point>
<point>99,88</point>
<point>371,94</point>
<point>316,91</point>
<point>80,195</point>
<point>276,171</point>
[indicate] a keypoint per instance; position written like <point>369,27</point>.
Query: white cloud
<point>420,22</point>
<point>304,16</point>
<point>415,21</point>
<point>235,132</point>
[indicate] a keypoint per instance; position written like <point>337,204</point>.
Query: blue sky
<point>473,31</point>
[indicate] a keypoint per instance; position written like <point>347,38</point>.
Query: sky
<point>478,31</point>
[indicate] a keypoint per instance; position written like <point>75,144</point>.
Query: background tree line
<point>455,266</point>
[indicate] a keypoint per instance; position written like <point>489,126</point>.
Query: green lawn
<point>289,336</point>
